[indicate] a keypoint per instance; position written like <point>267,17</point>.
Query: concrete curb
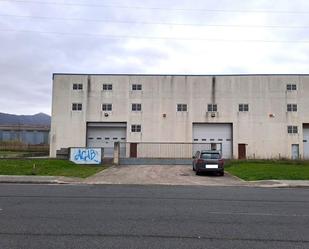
<point>11,179</point>
<point>235,177</point>
<point>281,183</point>
<point>38,179</point>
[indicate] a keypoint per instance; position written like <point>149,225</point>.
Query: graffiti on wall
<point>85,155</point>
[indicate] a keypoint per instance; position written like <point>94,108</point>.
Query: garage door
<point>104,135</point>
<point>306,141</point>
<point>214,133</point>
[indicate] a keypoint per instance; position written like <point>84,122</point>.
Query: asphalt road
<point>126,216</point>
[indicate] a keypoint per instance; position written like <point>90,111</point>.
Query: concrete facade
<point>263,128</point>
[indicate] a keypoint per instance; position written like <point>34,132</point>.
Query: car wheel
<point>221,173</point>
<point>197,172</point>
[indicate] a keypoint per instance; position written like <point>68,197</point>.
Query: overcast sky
<point>155,37</point>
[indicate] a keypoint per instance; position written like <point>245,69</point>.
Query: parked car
<point>208,161</point>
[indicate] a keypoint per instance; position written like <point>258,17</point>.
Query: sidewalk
<point>70,180</point>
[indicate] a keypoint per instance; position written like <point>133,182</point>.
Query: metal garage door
<point>214,133</point>
<point>104,135</point>
<point>306,141</point>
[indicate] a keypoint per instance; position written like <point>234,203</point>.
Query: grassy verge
<point>8,153</point>
<point>269,170</point>
<point>21,154</point>
<point>4,154</point>
<point>46,167</point>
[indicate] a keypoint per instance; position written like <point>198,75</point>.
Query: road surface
<point>128,216</point>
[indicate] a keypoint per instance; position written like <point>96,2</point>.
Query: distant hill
<point>40,119</point>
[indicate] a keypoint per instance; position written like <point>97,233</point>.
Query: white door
<point>214,133</point>
<point>295,151</point>
<point>105,137</point>
<point>306,142</point>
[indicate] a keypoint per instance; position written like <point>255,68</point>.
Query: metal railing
<point>164,150</point>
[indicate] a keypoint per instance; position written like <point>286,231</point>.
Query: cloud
<point>28,59</point>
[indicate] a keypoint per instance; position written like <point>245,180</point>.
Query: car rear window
<point>210,155</point>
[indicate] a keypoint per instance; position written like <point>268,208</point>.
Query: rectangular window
<point>182,107</point>
<point>295,129</point>
<point>136,107</point>
<point>77,86</point>
<point>292,129</point>
<point>291,87</point>
<point>292,107</point>
<point>136,87</point>
<point>243,107</point>
<point>107,87</point>
<point>107,107</point>
<point>136,128</point>
<point>77,107</point>
<point>212,107</point>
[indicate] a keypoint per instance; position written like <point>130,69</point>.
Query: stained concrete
<point>160,174</point>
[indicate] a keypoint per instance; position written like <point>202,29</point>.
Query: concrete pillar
<point>116,153</point>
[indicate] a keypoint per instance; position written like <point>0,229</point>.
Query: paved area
<point>136,216</point>
<point>160,174</point>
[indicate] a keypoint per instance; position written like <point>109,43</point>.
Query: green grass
<point>269,170</point>
<point>20,154</point>
<point>46,167</point>
<point>11,152</point>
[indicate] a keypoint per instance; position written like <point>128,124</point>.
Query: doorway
<point>242,151</point>
<point>295,151</point>
<point>133,150</point>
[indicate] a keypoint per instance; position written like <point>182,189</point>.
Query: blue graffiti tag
<point>86,155</point>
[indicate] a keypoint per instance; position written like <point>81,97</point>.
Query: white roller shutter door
<point>306,142</point>
<point>105,137</point>
<point>214,133</point>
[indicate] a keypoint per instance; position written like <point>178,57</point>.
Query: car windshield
<point>210,155</point>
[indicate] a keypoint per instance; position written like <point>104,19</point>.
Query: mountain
<point>40,119</point>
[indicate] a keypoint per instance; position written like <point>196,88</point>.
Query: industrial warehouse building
<point>250,116</point>
<point>25,134</point>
